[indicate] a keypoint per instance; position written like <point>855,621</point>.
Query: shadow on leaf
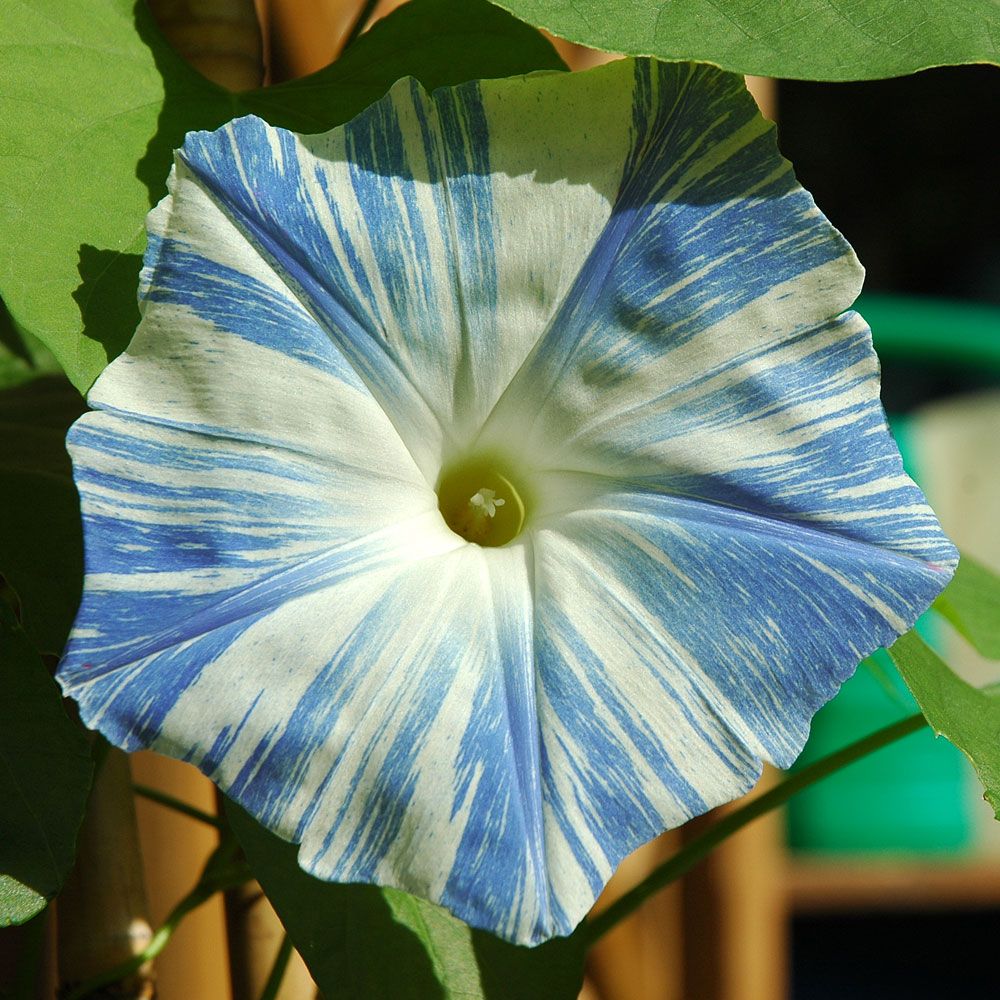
<point>363,941</point>
<point>41,544</point>
<point>106,296</point>
<point>10,338</point>
<point>190,101</point>
<point>509,972</point>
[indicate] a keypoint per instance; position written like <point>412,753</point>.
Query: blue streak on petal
<point>277,215</point>
<point>134,702</point>
<point>779,615</point>
<point>244,306</point>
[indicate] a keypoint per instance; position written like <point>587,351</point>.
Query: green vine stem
<point>221,872</point>
<point>685,859</point>
<point>163,799</point>
<point>275,979</point>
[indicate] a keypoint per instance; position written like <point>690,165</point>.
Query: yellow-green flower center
<point>479,501</point>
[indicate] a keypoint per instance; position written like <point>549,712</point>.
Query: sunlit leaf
<point>966,716</point>
<point>971,602</point>
<point>362,941</point>
<point>802,39</point>
<point>93,101</point>
<point>45,770</point>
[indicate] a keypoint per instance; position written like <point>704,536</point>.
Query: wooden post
<point>102,912</point>
<point>735,913</point>
<point>764,91</point>
<point>174,849</point>
<point>642,958</point>
<point>255,935</point>
<point>305,35</point>
<point>220,38</point>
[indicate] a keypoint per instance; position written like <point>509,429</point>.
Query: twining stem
<point>275,979</point>
<point>685,859</point>
<point>362,19</point>
<point>155,795</point>
<point>221,872</point>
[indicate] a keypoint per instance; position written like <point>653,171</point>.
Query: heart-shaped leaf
<point>93,102</point>
<point>966,716</point>
<point>971,602</point>
<point>800,39</point>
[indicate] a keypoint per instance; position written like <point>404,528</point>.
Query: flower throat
<point>479,501</point>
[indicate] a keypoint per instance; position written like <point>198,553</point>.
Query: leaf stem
<point>155,795</point>
<point>686,858</point>
<point>274,980</point>
<point>364,14</point>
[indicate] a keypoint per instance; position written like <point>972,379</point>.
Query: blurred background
<point>883,881</point>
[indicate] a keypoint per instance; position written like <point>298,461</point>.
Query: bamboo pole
<point>642,958</point>
<point>102,911</point>
<point>220,38</point>
<point>736,911</point>
<point>255,938</point>
<point>174,849</point>
<point>305,35</point>
<point>27,958</point>
<point>764,91</point>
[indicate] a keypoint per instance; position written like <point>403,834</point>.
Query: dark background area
<point>907,170</point>
<point>909,956</point>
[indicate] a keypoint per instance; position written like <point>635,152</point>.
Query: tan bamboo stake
<point>764,91</point>
<point>642,958</point>
<point>102,911</point>
<point>255,935</point>
<point>48,975</point>
<point>736,911</point>
<point>305,35</point>
<point>220,38</point>
<point>27,958</point>
<point>175,848</point>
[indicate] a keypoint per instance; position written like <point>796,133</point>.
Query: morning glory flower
<point>492,482</point>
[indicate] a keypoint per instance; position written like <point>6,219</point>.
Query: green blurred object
<point>908,797</point>
<point>934,331</point>
<point>911,796</point>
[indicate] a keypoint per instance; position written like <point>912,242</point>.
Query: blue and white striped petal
<point>401,236</point>
<point>611,285</point>
<point>678,644</point>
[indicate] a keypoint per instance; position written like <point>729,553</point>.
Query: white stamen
<point>487,500</point>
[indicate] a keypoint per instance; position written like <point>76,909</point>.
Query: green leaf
<point>93,102</point>
<point>801,39</point>
<point>22,357</point>
<point>45,772</point>
<point>440,42</point>
<point>966,716</point>
<point>362,941</point>
<point>971,602</point>
<point>41,547</point>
